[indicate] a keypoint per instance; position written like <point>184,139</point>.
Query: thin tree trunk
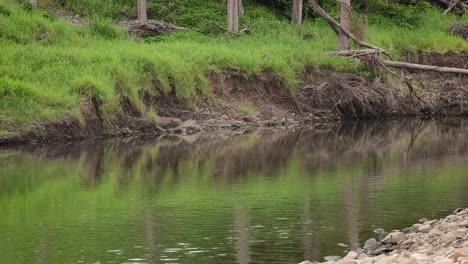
<point>297,12</point>
<point>142,10</point>
<point>343,39</point>
<point>33,2</point>
<point>241,8</point>
<point>233,16</point>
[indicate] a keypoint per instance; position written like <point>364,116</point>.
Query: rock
<point>331,258</point>
<point>387,260</point>
<point>306,262</point>
<point>443,261</point>
<point>351,255</point>
<point>425,228</point>
<point>423,220</point>
<point>447,238</point>
<point>461,252</point>
<point>451,226</point>
<point>460,233</point>
<point>371,243</point>
<point>379,231</point>
<point>394,238</point>
<point>420,259</point>
<point>347,261</point>
<point>435,232</point>
<point>464,223</point>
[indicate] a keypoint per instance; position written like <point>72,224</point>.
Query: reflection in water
<point>242,229</point>
<point>262,197</point>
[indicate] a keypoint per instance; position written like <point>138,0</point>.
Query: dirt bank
<point>440,241</point>
<point>241,102</point>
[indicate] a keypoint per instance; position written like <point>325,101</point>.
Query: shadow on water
<point>259,197</point>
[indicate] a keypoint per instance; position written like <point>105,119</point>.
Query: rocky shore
<point>440,241</point>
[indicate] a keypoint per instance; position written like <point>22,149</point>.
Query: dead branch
<point>369,54</point>
<point>420,67</point>
<point>337,26</point>
<point>451,6</point>
<point>372,53</point>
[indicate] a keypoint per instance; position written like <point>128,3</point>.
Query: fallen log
<point>367,54</point>
<point>420,67</point>
<point>372,54</point>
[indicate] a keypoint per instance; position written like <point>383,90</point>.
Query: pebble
<point>394,238</point>
<point>444,261</point>
<point>461,252</point>
<point>420,259</point>
<point>425,228</point>
<point>351,255</point>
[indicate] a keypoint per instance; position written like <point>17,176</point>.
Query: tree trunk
<point>297,12</point>
<point>241,8</point>
<point>343,40</point>
<point>33,3</point>
<point>233,16</point>
<point>142,10</point>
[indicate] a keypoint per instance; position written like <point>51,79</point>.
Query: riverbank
<point>439,241</point>
<point>61,80</point>
<point>242,102</point>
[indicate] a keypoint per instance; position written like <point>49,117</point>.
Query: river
<point>267,196</point>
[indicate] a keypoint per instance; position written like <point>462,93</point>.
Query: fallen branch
<point>337,26</point>
<point>451,6</point>
<point>420,67</point>
<point>370,54</point>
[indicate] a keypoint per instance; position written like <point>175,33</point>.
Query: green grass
<point>246,110</point>
<point>47,66</point>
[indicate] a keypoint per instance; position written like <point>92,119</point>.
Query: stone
<point>435,232</point>
<point>423,220</point>
<point>447,238</point>
<point>394,238</point>
<point>451,226</point>
<point>379,231</point>
<point>420,259</point>
<point>460,233</point>
<point>306,262</point>
<point>425,228</point>
<point>347,261</point>
<point>444,261</point>
<point>461,252</point>
<point>351,255</point>
<point>371,243</point>
<point>387,260</point>
<point>464,223</point>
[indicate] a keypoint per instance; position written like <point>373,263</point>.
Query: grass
<point>47,66</point>
<point>246,110</point>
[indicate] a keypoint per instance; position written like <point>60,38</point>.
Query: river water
<point>259,197</point>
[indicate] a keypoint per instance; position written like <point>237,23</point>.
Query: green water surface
<point>259,197</point>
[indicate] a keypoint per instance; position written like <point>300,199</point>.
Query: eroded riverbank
<point>241,102</point>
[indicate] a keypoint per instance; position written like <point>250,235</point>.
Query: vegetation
<point>48,65</point>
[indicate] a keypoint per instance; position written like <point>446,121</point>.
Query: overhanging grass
<point>48,65</point>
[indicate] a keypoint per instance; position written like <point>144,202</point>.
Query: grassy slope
<point>47,65</point>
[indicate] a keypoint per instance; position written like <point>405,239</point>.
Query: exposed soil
<point>241,102</point>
